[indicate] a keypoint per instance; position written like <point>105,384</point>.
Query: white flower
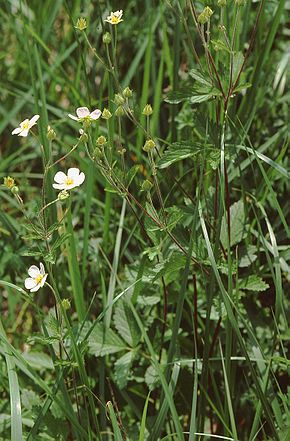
<point>66,182</point>
<point>25,126</point>
<point>83,114</point>
<point>37,278</point>
<point>115,17</point>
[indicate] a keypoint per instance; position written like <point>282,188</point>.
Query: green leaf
<point>193,96</point>
<point>254,283</point>
<point>101,343</point>
<point>38,360</point>
<point>125,324</point>
<point>238,60</point>
<point>122,369</point>
<point>237,224</point>
<point>178,151</point>
<point>200,77</point>
<point>247,256</point>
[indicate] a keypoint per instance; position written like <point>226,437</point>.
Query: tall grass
<point>164,312</point>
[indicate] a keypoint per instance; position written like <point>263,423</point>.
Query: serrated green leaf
<point>59,241</point>
<point>122,369</point>
<point>237,224</point>
<point>254,283</point>
<point>238,60</point>
<point>178,151</point>
<point>125,324</point>
<point>38,360</point>
<point>200,77</point>
<point>101,343</point>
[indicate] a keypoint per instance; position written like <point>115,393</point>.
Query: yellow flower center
<point>115,19</point>
<point>25,125</point>
<point>38,278</point>
<point>69,181</point>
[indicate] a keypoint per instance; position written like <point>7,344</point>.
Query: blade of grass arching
<point>143,421</point>
<point>192,427</point>
<point>114,421</point>
<point>74,270</point>
<point>158,97</point>
<point>167,389</point>
<point>229,305</point>
<point>112,282</point>
<point>15,403</point>
<point>228,397</point>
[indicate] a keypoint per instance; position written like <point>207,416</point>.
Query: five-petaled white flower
<point>84,115</point>
<point>25,126</point>
<point>115,17</point>
<point>37,278</point>
<point>66,182</point>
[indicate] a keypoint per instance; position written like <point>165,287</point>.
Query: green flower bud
<point>84,137</point>
<point>106,114</point>
<point>66,304</point>
<point>9,182</point>
<point>119,111</point>
<point>222,3</point>
<point>147,185</point>
<point>51,135</point>
<point>107,38</point>
<point>205,15</point>
<point>240,2</point>
<point>101,140</point>
<point>63,195</point>
<point>98,154</point>
<point>147,111</point>
<point>81,24</point>
<point>149,145</point>
<point>15,189</point>
<point>119,99</point>
<point>127,92</point>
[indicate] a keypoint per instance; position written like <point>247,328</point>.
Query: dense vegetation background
<point>164,315</point>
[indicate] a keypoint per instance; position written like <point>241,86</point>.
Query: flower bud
<point>101,140</point>
<point>119,100</point>
<point>98,154</point>
<point>149,145</point>
<point>205,15</point>
<point>240,2</point>
<point>84,137</point>
<point>66,304</point>
<point>81,24</point>
<point>107,38</point>
<point>147,185</point>
<point>9,182</point>
<point>15,189</point>
<point>222,3</point>
<point>51,135</point>
<point>106,114</point>
<point>147,111</point>
<point>127,92</point>
<point>119,111</point>
<point>63,195</point>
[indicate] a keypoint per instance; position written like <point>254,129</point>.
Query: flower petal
<point>24,133</point>
<point>36,288</point>
<point>82,112</point>
<point>16,131</point>
<point>73,173</point>
<point>29,283</point>
<point>96,114</point>
<point>33,120</point>
<point>59,186</point>
<point>73,117</point>
<point>33,271</point>
<point>42,270</point>
<point>43,280</point>
<point>60,177</point>
<point>80,179</point>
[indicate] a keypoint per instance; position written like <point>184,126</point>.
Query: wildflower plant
<point>157,270</point>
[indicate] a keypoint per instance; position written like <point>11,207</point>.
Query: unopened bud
<point>240,2</point>
<point>147,185</point>
<point>147,111</point>
<point>84,137</point>
<point>106,114</point>
<point>81,24</point>
<point>222,3</point>
<point>101,140</point>
<point>149,145</point>
<point>98,154</point>
<point>119,99</point>
<point>15,189</point>
<point>65,304</point>
<point>205,15</point>
<point>119,111</point>
<point>63,195</point>
<point>107,38</point>
<point>51,135</point>
<point>127,92</point>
